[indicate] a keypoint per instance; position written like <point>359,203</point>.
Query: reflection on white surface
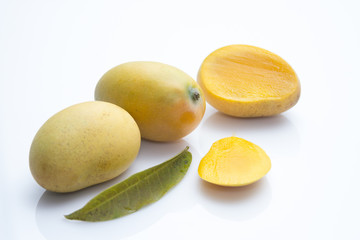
<point>276,135</point>
<point>152,153</point>
<point>52,224</point>
<point>52,207</point>
<point>236,203</point>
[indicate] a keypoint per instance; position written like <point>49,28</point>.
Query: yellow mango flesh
<point>166,103</point>
<point>234,161</point>
<point>247,81</point>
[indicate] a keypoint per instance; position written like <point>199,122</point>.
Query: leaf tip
<point>71,216</point>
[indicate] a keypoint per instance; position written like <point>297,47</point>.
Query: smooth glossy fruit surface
<point>233,161</point>
<point>82,145</point>
<point>166,103</point>
<point>247,81</point>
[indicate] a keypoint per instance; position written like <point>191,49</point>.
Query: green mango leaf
<point>135,192</point>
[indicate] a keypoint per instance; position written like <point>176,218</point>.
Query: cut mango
<point>233,161</point>
<point>247,81</point>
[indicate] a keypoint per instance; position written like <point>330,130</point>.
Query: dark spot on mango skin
<point>194,94</point>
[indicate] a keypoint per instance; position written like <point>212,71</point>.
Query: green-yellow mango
<point>82,145</point>
<point>166,103</point>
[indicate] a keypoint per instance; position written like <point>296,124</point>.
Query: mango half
<point>166,103</point>
<point>248,81</point>
<point>233,161</point>
<point>82,145</point>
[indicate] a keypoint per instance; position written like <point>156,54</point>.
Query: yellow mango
<point>233,161</point>
<point>82,145</point>
<point>166,103</point>
<point>248,81</point>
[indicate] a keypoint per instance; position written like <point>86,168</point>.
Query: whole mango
<point>82,145</point>
<point>166,103</point>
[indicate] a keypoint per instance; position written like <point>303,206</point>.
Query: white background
<point>52,53</point>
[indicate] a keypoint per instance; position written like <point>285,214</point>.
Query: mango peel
<point>166,103</point>
<point>83,145</point>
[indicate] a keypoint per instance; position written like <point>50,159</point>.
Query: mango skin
<point>83,145</point>
<point>166,103</point>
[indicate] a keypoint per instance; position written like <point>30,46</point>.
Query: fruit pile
<point>92,142</point>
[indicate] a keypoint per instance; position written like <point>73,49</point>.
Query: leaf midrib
<point>138,180</point>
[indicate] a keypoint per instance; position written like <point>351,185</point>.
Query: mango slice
<point>248,81</point>
<point>233,161</point>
